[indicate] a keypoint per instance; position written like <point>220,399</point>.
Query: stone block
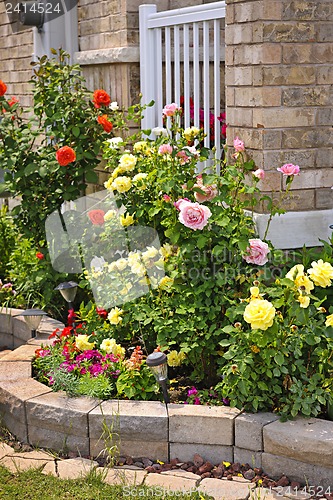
<point>213,453</point>
<point>308,138</point>
<point>305,158</point>
<point>170,483</point>
<point>253,458</point>
<point>73,468</point>
<point>7,340</point>
<point>125,477</point>
<point>14,371</point>
<point>181,473</point>
<point>216,424</point>
<point>24,461</point>
<point>284,117</point>
<point>6,321</point>
<point>297,53</point>
<point>249,429</point>
<point>325,75</point>
<point>130,419</point>
<point>275,466</point>
<point>313,179</point>
<point>324,116</point>
<point>272,10</point>
<point>158,450</point>
<point>240,116</point>
<point>222,489</point>
<point>307,11</point>
<point>59,441</point>
<point>20,329</point>
<point>58,412</point>
<point>288,32</point>
<point>6,450</point>
<point>307,440</point>
<point>22,353</point>
<point>272,139</point>
<point>314,96</point>
<point>325,32</point>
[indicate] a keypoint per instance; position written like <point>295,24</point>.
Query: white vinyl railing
<point>181,52</point>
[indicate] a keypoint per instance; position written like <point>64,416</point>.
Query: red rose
<point>40,255</point>
<point>106,124</point>
<point>96,217</point>
<point>102,312</point>
<point>65,155</point>
<point>101,98</point>
<point>3,88</point>
<point>13,101</point>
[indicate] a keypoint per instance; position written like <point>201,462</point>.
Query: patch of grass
<point>33,485</point>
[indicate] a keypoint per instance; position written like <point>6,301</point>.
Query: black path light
<point>32,317</point>
<point>157,362</point>
<point>68,290</point>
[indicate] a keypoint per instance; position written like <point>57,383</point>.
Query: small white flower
<point>97,264</point>
<point>114,106</point>
<point>160,131</point>
<point>114,142</point>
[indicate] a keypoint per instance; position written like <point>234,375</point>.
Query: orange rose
<point>65,155</point>
<point>3,88</point>
<point>101,98</point>
<point>106,124</point>
<point>96,217</point>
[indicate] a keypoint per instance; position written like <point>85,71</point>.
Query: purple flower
<point>226,401</point>
<point>89,354</point>
<point>96,370</point>
<point>197,401</point>
<point>192,392</point>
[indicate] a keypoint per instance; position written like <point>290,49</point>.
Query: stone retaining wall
<point>301,449</point>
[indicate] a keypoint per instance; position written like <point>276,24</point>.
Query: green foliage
<point>8,237</point>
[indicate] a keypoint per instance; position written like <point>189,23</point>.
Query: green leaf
<point>29,169</point>
<point>76,131</point>
<point>91,177</point>
<point>279,359</point>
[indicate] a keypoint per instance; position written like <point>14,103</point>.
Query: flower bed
<point>301,449</point>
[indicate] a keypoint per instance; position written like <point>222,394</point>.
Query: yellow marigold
<point>304,301</point>
<point>110,346</point>
<point>329,320</point>
<point>127,162</point>
<point>122,184</point>
<point>260,314</point>
<point>175,358</point>
<point>190,133</point>
<point>321,273</point>
<point>165,283</point>
<point>126,220</point>
<point>81,342</point>
<point>114,316</point>
<point>295,271</point>
<point>304,282</point>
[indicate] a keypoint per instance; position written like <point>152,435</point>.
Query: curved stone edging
<point>301,449</point>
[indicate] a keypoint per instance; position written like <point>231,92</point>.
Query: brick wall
<point>279,77</point>
<point>16,48</point>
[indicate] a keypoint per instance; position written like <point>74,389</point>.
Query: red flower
<point>54,334</point>
<point>101,98</point>
<point>40,255</point>
<point>102,312</point>
<point>65,155</point>
<point>106,124</point>
<point>67,331</point>
<point>13,101</point>
<point>3,88</point>
<point>96,217</point>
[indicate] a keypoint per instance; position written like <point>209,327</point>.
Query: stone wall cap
<point>202,411</point>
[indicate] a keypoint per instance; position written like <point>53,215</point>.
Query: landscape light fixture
<point>31,13</point>
<point>68,290</point>
<point>157,362</point>
<point>33,317</point>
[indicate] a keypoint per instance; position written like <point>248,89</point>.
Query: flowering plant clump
<point>280,345</point>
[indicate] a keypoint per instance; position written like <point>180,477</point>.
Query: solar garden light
<point>32,317</point>
<point>68,290</point>
<point>157,362</point>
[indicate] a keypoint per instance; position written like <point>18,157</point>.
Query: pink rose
<point>256,252</point>
<point>183,158</point>
<point>194,215</point>
<point>238,145</point>
<point>289,169</point>
<point>166,198</point>
<point>179,202</point>
<point>170,109</point>
<point>165,149</point>
<point>209,190</point>
<point>259,174</point>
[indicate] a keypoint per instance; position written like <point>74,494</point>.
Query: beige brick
<point>272,10</point>
<point>322,53</point>
<point>272,139</point>
<point>324,198</point>
<point>247,54</point>
<point>283,117</point>
<point>238,34</point>
<point>245,12</point>
<point>311,96</point>
<point>230,14</point>
<point>297,53</point>
<point>304,158</point>
<point>325,75</point>
<point>320,178</point>
<point>230,96</point>
<point>309,10</point>
<point>229,55</point>
<point>324,157</point>
<point>290,75</point>
<point>308,138</point>
<point>238,76</point>
<point>240,116</point>
<point>288,32</point>
<point>295,201</point>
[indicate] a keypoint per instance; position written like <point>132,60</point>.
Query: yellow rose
<point>165,283</point>
<point>304,301</point>
<point>81,342</point>
<point>329,320</point>
<point>295,271</point>
<point>121,184</point>
<point>139,178</point>
<point>150,253</point>
<point>127,162</point>
<point>121,264</point>
<point>190,133</point>
<point>175,358</point>
<point>255,293</point>
<point>166,250</point>
<point>110,214</point>
<point>321,273</point>
<point>111,347</point>
<point>108,183</point>
<point>305,283</point>
<point>126,220</point>
<point>138,269</point>
<point>114,316</point>
<point>260,314</point>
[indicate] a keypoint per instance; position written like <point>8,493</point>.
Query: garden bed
<point>301,448</point>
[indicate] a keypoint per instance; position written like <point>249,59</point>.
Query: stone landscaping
<point>300,449</point>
